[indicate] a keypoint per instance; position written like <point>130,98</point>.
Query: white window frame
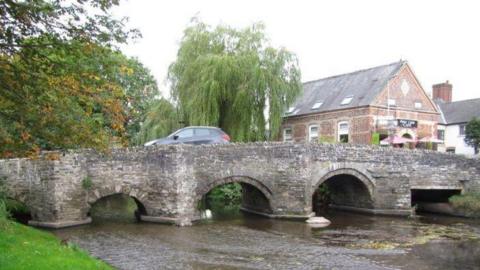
<point>290,138</point>
<point>346,100</point>
<point>312,136</point>
<point>418,105</point>
<point>341,132</point>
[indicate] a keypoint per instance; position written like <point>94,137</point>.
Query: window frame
<point>442,136</point>
<point>285,133</point>
<point>420,105</point>
<point>339,133</point>
<point>310,137</point>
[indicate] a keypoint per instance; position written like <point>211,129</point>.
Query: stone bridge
<point>278,179</point>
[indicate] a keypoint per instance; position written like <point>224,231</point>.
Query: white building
<point>454,118</point>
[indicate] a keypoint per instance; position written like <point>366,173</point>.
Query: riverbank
<point>467,204</point>
<point>23,247</point>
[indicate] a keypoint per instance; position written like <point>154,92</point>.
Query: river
<point>243,241</point>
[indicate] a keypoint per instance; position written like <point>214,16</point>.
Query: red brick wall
<point>405,101</point>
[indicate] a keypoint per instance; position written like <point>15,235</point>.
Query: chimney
<point>442,91</point>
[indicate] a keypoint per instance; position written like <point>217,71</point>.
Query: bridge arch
<point>256,196</point>
<point>346,187</point>
<point>99,194</point>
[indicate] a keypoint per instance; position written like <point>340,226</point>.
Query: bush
<point>376,138</point>
<point>468,203</point>
<point>326,139</point>
<point>4,214</point>
<point>225,196</point>
<point>3,211</point>
<point>87,183</point>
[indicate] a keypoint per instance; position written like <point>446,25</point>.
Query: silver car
<point>194,135</point>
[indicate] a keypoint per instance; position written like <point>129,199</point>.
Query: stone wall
<point>279,178</point>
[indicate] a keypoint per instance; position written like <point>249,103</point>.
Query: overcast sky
<point>440,39</point>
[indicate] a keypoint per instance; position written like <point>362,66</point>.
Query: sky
<point>439,39</point>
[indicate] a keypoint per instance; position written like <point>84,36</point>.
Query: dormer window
<point>391,102</point>
<point>347,100</point>
<point>317,105</point>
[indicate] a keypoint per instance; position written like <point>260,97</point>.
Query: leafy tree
<point>61,83</point>
<point>228,78</point>
<point>161,119</point>
<point>472,134</point>
<point>61,21</point>
<point>84,96</point>
<point>140,89</point>
<point>67,102</point>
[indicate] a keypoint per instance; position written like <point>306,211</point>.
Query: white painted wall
<point>454,139</point>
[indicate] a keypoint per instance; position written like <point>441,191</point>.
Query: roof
<point>459,111</point>
<point>363,85</point>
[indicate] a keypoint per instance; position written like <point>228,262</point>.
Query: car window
<point>185,133</point>
<point>202,132</point>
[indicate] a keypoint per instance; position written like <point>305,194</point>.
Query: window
<point>462,129</point>
<point>202,132</point>
<point>347,100</point>
<point>287,135</point>
<point>313,133</point>
<point>186,133</point>
<point>450,150</point>
<point>317,105</point>
<point>418,105</point>
<point>391,102</point>
<point>441,134</point>
<point>343,132</point>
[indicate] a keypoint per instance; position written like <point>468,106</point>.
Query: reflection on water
<point>244,241</point>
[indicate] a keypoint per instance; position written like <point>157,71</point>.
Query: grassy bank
<point>23,247</point>
<point>468,204</point>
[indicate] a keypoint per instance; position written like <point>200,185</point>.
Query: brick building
<point>352,107</point>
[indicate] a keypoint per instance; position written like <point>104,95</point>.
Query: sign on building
<point>405,123</point>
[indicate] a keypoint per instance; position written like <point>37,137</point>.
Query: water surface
<point>243,241</point>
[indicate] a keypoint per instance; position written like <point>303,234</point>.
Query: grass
<point>23,247</point>
<point>468,203</point>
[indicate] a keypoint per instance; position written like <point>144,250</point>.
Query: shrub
<point>326,139</point>
<point>87,183</point>
<point>468,203</point>
<point>375,138</point>
<point>225,196</point>
<point>3,211</point>
<point>4,214</point>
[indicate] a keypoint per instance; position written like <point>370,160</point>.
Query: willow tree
<point>160,120</point>
<point>233,79</point>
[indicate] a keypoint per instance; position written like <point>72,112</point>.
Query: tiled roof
<point>363,86</point>
<point>459,111</point>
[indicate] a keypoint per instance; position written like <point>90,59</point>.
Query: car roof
<point>201,127</point>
